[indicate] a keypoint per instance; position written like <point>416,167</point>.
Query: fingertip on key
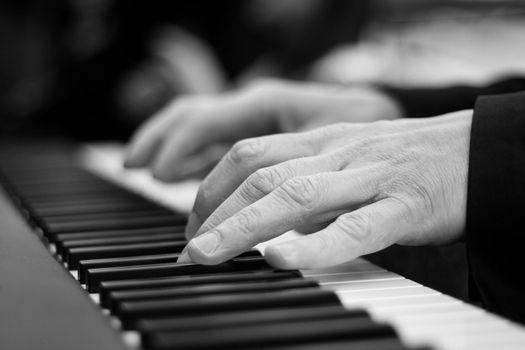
<point>184,257</point>
<point>204,249</point>
<point>205,244</point>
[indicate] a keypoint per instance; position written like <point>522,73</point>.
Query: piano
<point>88,261</point>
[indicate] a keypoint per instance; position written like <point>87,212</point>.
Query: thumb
<point>363,231</point>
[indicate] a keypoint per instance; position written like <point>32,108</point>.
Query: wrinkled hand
<point>365,186</point>
<point>190,135</point>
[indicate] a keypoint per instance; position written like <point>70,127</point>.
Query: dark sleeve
<point>427,102</point>
<point>496,202</point>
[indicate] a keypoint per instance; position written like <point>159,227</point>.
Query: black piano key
<point>41,203</point>
<point>383,343</point>
<point>73,202</point>
<point>71,236</point>
<point>81,179</point>
<point>78,198</point>
<point>106,244</point>
<point>130,312</point>
<point>58,210</point>
<point>215,289</point>
<point>62,190</point>
<point>74,255</point>
<point>84,265</point>
<point>106,287</point>
<point>229,318</point>
<point>156,212</point>
<point>119,223</point>
<point>96,276</point>
<point>253,336</point>
<point>23,180</point>
<point>107,241</point>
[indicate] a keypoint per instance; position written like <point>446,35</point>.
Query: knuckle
<point>263,181</point>
<point>210,223</point>
<point>267,93</point>
<point>408,208</point>
<point>332,131</point>
<point>364,145</point>
<point>303,191</point>
<point>357,226</point>
<point>423,195</point>
<point>245,220</point>
<point>246,151</point>
<point>177,108</point>
<point>413,193</point>
<point>265,86</point>
<point>381,125</point>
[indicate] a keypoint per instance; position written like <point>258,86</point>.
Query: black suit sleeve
<point>496,204</point>
<point>417,102</point>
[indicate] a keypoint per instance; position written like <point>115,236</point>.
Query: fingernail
<point>129,159</point>
<point>160,175</point>
<point>128,163</point>
<point>184,257</point>
<point>206,243</point>
<point>192,226</point>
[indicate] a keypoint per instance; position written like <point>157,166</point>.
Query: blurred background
<point>95,69</point>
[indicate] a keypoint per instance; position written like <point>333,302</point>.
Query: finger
<point>296,202</point>
<point>188,149</point>
<point>224,118</point>
<point>244,158</point>
<point>148,138</point>
<point>263,182</point>
<point>363,231</point>
<point>200,164</point>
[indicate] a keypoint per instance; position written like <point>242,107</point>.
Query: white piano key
<point>473,336</point>
<point>357,265</point>
<point>372,303</point>
<point>106,160</point>
<point>95,297</point>
<point>386,293</point>
<point>114,321</point>
<point>131,339</point>
<point>389,312</point>
<point>463,322</point>
<point>74,273</point>
<point>341,278</point>
<point>450,323</point>
<point>365,285</point>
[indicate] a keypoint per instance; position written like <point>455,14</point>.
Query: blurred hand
<point>191,134</point>
<point>179,63</point>
<point>366,186</point>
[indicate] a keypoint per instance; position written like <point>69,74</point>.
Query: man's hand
<point>367,186</point>
<point>190,135</point>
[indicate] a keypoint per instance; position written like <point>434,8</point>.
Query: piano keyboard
<point>122,248</point>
